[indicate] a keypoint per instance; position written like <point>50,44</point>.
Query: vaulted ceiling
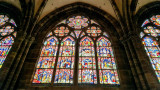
<point>104,5</point>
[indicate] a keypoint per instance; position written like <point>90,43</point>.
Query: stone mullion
<point>136,78</point>
<point>21,59</point>
<point>96,59</point>
<point>55,64</point>
<point>76,65</point>
<point>7,69</point>
<point>144,61</point>
<point>137,65</point>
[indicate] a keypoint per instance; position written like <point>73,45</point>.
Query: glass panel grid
<point>45,65</point>
<point>106,63</point>
<point>87,65</point>
<point>153,51</point>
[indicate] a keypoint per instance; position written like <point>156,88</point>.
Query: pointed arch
<point>65,64</point>
<point>82,31</point>
<point>87,65</point>
<point>106,62</point>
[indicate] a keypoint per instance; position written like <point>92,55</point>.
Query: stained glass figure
<point>77,32</point>
<point>61,56</point>
<point>7,35</point>
<point>106,63</point>
<point>61,31</point>
<point>78,22</point>
<point>94,31</point>
<point>65,64</point>
<point>45,65</point>
<point>50,34</point>
<point>43,76</point>
<point>153,51</point>
<point>87,66</point>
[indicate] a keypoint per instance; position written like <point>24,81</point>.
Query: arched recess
<point>147,29</point>
<point>9,23</point>
<point>51,21</point>
<point>149,36</point>
<point>82,32</point>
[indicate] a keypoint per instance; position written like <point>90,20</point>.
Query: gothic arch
<point>108,23</point>
<point>103,18</point>
<point>146,12</point>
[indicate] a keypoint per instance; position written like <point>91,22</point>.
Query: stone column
<point>28,42</point>
<point>131,59</point>
<point>8,66</point>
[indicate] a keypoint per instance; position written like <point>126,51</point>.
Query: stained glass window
<point>45,65</point>
<point>77,36</point>
<point>7,36</point>
<point>149,37</point>
<point>64,72</point>
<point>106,62</point>
<point>87,64</point>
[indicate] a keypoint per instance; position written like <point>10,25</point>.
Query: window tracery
<point>79,36</point>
